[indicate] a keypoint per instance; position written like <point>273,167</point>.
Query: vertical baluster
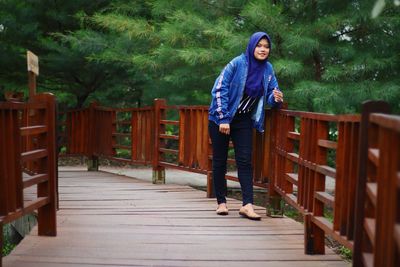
<point>311,158</point>
<point>4,206</point>
<point>302,173</point>
<point>289,165</point>
<point>340,162</point>
<point>182,136</point>
<point>199,130</point>
<point>363,208</point>
<point>1,236</point>
<point>275,131</point>
<point>134,120</point>
<point>385,210</point>
<point>353,163</point>
<point>317,246</point>
<point>10,156</point>
<point>141,131</point>
<point>149,133</point>
<point>345,177</point>
<point>47,220</point>
<point>159,114</point>
<point>204,142</point>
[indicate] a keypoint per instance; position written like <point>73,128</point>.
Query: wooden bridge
<point>109,220</point>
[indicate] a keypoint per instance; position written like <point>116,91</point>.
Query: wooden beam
<point>34,154</point>
<point>325,198</point>
<point>32,130</point>
<point>36,179</point>
<point>327,144</point>
<point>29,208</point>
<point>292,177</point>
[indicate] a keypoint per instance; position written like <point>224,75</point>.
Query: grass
<point>346,253</point>
<point>7,246</point>
<point>12,237</point>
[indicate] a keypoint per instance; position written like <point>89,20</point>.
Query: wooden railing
<point>28,158</point>
<point>109,133</point>
<point>312,150</point>
<point>377,232</point>
<point>161,136</point>
<point>310,160</point>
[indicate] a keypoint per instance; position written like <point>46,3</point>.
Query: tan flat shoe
<point>222,209</point>
<point>248,212</point>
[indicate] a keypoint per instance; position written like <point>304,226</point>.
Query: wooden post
<point>57,145</point>
<point>47,219</point>
<point>210,185</point>
<point>159,114</point>
<point>210,181</point>
<point>368,107</point>
<point>93,164</point>
<point>308,234</point>
<point>258,156</point>
<point>33,71</point>
<point>315,236</point>
<point>1,243</point>
<point>31,84</point>
<point>93,160</point>
<point>275,207</point>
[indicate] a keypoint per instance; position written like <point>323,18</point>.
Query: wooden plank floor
<point>111,220</point>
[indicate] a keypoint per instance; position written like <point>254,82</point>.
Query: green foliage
<point>123,153</point>
<point>7,246</point>
<point>345,253</point>
<point>132,28</point>
<point>329,56</point>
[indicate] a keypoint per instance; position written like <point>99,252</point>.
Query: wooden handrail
<point>303,165</point>
<point>377,240</point>
<point>295,158</point>
<point>27,135</point>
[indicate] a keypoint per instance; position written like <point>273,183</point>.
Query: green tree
<point>66,48</point>
<point>342,56</point>
<point>181,45</point>
<point>329,56</point>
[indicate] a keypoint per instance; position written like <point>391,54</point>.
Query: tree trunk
<point>81,98</point>
<point>316,55</point>
<point>317,65</point>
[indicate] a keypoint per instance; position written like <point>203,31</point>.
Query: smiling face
<point>261,51</point>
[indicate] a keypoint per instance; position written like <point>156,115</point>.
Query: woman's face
<point>261,51</point>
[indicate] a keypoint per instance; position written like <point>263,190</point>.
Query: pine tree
<point>347,57</point>
<point>322,52</point>
<point>329,56</point>
<point>52,30</point>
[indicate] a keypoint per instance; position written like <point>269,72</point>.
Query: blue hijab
<point>256,68</point>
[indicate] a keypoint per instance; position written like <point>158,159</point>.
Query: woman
<point>239,96</point>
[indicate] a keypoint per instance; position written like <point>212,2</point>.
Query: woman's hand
<point>224,128</point>
<point>278,95</point>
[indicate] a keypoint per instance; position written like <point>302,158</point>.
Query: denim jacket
<point>228,90</point>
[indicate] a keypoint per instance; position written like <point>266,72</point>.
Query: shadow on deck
<point>110,220</point>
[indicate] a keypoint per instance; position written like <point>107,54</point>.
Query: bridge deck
<point>110,220</point>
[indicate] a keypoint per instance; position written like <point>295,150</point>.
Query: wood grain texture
<point>111,220</point>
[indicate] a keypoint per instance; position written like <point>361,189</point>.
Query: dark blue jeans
<point>241,133</point>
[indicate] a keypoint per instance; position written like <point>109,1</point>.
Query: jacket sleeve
<point>221,93</point>
<point>272,84</point>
